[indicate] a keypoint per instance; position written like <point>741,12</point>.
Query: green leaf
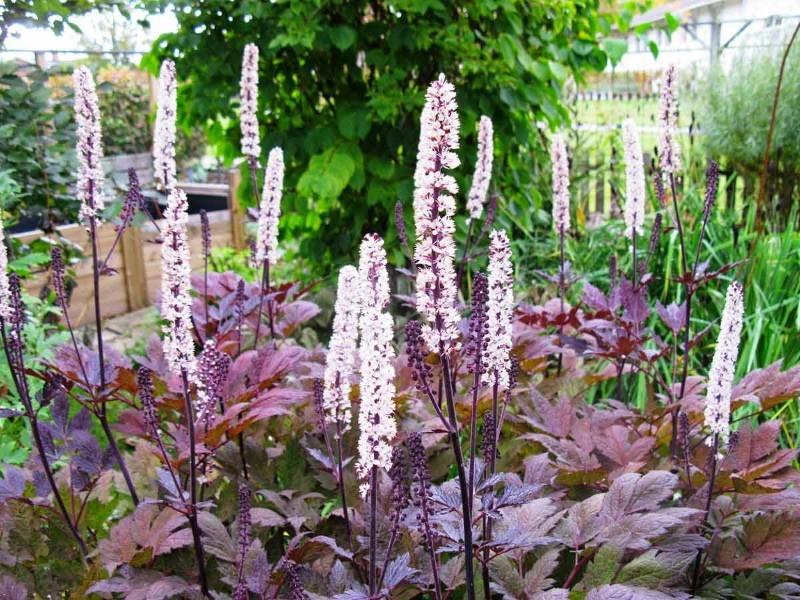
<point>602,569</point>
<point>328,173</point>
<point>653,48</point>
<point>293,472</point>
<point>380,167</point>
<point>654,571</point>
<point>540,71</point>
<point>582,47</point>
<point>509,96</point>
<point>380,193</point>
<point>353,122</point>
<point>615,48</point>
<point>504,573</point>
<point>673,22</point>
<point>558,70</point>
<point>342,36</point>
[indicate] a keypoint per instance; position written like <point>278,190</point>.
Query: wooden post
<point>237,214</point>
<point>583,172</point>
<point>600,190</point>
<point>134,271</point>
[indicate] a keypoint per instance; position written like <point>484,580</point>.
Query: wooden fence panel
<point>137,258</point>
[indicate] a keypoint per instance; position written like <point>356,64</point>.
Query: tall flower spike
<point>634,180</point>
<point>421,487</point>
<point>133,201</point>
<point>401,492</point>
<point>5,294</point>
<point>58,271</point>
<point>500,309</point>
<point>434,207</point>
<point>318,391</point>
<point>176,299</point>
<point>560,160</point>
<point>489,437</point>
<point>205,234</point>
<point>376,417</point>
<point>421,371</point>
<point>144,379</point>
<point>717,410</point>
<point>712,183</point>
<point>251,145</point>
<point>342,349</point>
<point>212,374</point>
<point>400,224</point>
<point>669,151</point>
<point>17,318</point>
<point>245,496</point>
<point>269,213</point>
<point>478,324</point>
<point>164,169</point>
<point>296,589</point>
<point>245,502</point>
<point>483,169</point>
<point>89,146</point>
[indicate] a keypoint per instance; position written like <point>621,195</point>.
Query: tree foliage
<point>36,144</point>
<point>342,84</point>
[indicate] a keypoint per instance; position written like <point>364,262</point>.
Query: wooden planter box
<point>137,259</point>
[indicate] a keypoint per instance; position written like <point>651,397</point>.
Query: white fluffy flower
<point>5,292</point>
<point>669,150</point>
<point>634,180</point>
<point>176,299</point>
<point>560,160</point>
<point>483,169</point>
<point>164,142</point>
<point>376,416</point>
<point>434,207</point>
<point>717,410</point>
<point>342,349</point>
<point>248,87</point>
<point>499,312</point>
<point>89,146</point>
<point>269,213</point>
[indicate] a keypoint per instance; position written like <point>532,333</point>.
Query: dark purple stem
<point>102,413</point>
<point>373,531</point>
<point>561,293</point>
<point>192,509</point>
<point>340,478</point>
<point>688,294</point>
<point>711,481</point>
<point>466,509</point>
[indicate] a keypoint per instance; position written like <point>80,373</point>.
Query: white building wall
<point>773,22</point>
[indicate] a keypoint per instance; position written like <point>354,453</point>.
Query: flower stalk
<point>90,192</point>
<point>176,303</point>
<point>434,254</point>
<point>561,216</point>
<point>376,417</point>
<point>267,240</point>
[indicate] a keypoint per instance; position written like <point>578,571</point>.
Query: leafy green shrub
<point>125,100</point>
<point>36,145</point>
<point>342,84</point>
